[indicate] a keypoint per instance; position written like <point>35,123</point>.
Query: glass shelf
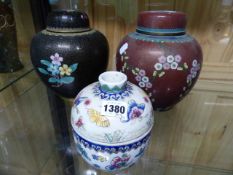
<point>7,79</point>
<point>145,166</point>
<point>32,142</point>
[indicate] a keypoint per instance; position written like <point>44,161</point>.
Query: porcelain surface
<point>112,120</point>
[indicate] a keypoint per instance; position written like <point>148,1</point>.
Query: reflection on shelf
<point>145,166</point>
<point>7,79</point>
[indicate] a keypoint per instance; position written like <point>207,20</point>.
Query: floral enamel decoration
<point>99,158</point>
<point>165,63</point>
<point>135,110</point>
<point>112,121</point>
<point>78,100</point>
<point>118,162</point>
<point>191,76</point>
<point>158,57</point>
<point>79,123</point>
<point>193,71</point>
<point>59,74</point>
<point>56,59</point>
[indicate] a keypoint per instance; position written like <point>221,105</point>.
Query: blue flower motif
<point>53,68</point>
<point>135,110</point>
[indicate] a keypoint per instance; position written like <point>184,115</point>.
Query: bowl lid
<point>112,111</point>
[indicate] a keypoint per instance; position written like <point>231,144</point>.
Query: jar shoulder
<point>186,38</point>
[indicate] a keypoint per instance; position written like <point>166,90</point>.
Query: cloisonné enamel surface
<point>160,58</point>
<point>68,55</point>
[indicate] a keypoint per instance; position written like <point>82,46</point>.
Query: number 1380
<point>114,108</point>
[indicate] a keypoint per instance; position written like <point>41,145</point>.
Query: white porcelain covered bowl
<point>112,120</point>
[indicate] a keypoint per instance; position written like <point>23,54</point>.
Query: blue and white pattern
<point>82,152</point>
<point>135,110</point>
<point>111,149</point>
<point>141,152</point>
<point>126,92</point>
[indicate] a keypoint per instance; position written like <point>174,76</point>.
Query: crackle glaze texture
<point>112,141</point>
<point>160,57</point>
<point>68,55</point>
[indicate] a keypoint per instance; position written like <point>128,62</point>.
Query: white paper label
<point>114,108</point>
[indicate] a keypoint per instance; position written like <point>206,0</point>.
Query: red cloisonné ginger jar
<point>160,57</point>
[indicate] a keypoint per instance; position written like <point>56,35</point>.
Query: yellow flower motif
<point>65,70</point>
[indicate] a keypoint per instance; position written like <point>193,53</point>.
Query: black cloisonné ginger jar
<point>68,55</point>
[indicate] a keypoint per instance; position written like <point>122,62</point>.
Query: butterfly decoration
<point>97,118</point>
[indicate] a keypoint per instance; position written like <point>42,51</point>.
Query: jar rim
<point>112,79</point>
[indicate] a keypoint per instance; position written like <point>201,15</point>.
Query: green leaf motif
<point>111,90</point>
<point>180,68</point>
<point>43,71</point>
<point>45,62</point>
<point>154,73</point>
<point>161,74</point>
<point>185,65</point>
<point>54,80</point>
<point>67,80</point>
<point>74,67</point>
<point>133,71</point>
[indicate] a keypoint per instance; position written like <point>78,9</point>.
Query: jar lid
<point>67,21</point>
<point>161,22</point>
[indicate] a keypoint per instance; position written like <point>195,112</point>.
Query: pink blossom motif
<point>138,78</point>
<point>178,58</point>
<point>194,63</point>
<point>136,113</point>
<point>166,66</point>
<point>142,72</point>
<point>189,78</point>
<point>146,99</point>
<point>194,74</point>
<point>87,102</point>
<point>79,123</point>
<point>56,59</point>
<point>162,59</point>
<point>192,70</point>
<point>148,85</point>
